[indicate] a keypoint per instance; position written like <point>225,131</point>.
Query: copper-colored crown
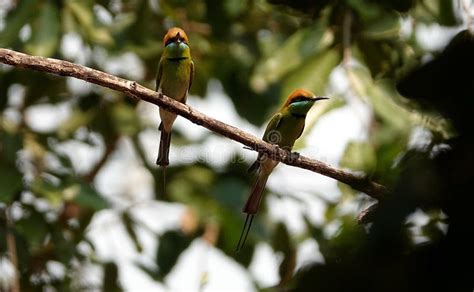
<point>298,93</point>
<point>174,34</point>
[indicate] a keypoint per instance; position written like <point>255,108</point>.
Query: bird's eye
<point>168,41</point>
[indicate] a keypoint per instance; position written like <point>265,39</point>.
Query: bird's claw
<point>294,156</point>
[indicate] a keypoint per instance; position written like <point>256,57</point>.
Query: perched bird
<point>174,79</point>
<point>283,129</point>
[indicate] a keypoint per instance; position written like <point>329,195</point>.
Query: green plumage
<point>175,76</point>
<point>284,128</point>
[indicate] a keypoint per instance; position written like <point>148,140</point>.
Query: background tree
<point>75,156</point>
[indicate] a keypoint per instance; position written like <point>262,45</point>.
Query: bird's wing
<point>267,137</point>
<point>158,75</point>
<point>301,132</point>
<point>191,77</point>
<point>271,127</point>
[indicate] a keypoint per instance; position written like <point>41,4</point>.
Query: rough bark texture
<point>138,91</point>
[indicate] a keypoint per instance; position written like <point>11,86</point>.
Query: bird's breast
<point>176,78</point>
<point>290,129</point>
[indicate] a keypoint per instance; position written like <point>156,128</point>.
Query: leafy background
<point>84,202</point>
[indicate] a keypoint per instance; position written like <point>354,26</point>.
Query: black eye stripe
<point>173,39</point>
<point>300,98</point>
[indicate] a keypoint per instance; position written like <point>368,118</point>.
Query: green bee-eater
<point>283,129</point>
<point>174,79</point>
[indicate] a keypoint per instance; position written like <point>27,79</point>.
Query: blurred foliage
<point>259,51</point>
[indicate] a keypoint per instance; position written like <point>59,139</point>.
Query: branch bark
<point>133,89</point>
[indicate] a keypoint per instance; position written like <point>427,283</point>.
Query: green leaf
<point>441,11</point>
<point>92,30</point>
<point>76,119</point>
<point>48,190</point>
<point>15,20</point>
<point>331,210</point>
<point>281,240</point>
<point>10,143</point>
<point>192,180</point>
<point>229,192</point>
<point>45,31</point>
<point>88,197</point>
<point>171,245</point>
<point>379,56</point>
<point>366,10</point>
<point>359,156</point>
<point>311,7</point>
<point>296,50</point>
<point>380,97</point>
<point>125,119</point>
<point>82,194</point>
<point>447,13</point>
<point>386,27</point>
<point>11,182</point>
<point>346,242</point>
<point>11,179</point>
<point>313,74</point>
<point>390,144</point>
<point>111,279</point>
<point>234,7</point>
<point>34,229</point>
<point>83,14</point>
<point>129,227</point>
<point>64,247</point>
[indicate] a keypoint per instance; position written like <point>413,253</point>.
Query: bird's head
<point>175,35</point>
<point>301,101</point>
<point>176,43</point>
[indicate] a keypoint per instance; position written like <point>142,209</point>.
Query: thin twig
<point>11,247</point>
<point>109,149</point>
<point>133,89</point>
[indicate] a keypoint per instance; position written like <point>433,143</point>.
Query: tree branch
<point>131,88</point>
<point>109,148</point>
<point>11,247</point>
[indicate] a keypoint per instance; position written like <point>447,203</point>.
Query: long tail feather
<point>253,202</point>
<point>242,233</point>
<point>163,154</point>
<point>164,150</point>
<point>254,167</point>
<point>245,231</point>
<point>251,208</point>
<point>164,181</point>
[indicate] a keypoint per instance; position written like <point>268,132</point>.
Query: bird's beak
<point>178,38</point>
<point>320,98</point>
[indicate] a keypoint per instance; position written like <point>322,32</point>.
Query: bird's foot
<point>294,156</point>
<point>248,148</point>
